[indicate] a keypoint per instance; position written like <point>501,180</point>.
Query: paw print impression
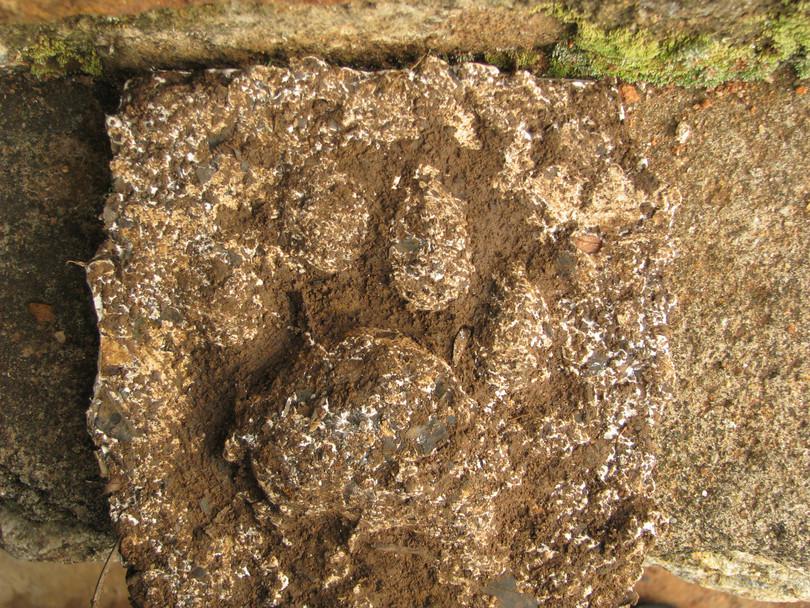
<point>428,253</point>
<point>326,218</point>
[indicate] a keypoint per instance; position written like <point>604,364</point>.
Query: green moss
<point>790,36</point>
<point>54,56</point>
<point>688,60</point>
<point>515,59</point>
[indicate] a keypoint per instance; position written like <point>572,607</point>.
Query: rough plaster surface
<point>383,338</point>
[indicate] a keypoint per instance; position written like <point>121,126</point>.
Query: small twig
<point>421,59</point>
<point>94,603</point>
<point>405,550</point>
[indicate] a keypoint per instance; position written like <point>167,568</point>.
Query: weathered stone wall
<point>751,512</point>
<point>737,426</point>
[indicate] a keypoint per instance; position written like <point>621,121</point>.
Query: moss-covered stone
<point>685,59</point>
<point>56,56</point>
<point>549,38</point>
<point>790,36</point>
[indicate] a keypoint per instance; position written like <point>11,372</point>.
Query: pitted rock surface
<point>353,351</point>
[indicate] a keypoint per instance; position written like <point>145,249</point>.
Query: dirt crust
<point>379,339</point>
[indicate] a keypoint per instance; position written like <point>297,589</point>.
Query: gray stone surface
<point>734,465</point>
<point>53,156</point>
<point>697,16</point>
<point>389,32</point>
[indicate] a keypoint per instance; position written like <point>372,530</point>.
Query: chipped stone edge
<point>739,573</point>
<point>389,33</point>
